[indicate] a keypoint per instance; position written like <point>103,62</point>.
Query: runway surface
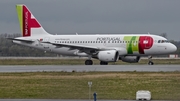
<point>84,68</point>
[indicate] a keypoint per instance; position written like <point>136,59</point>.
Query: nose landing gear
<point>150,61</point>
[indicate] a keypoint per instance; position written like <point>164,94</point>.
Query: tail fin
<point>29,25</point>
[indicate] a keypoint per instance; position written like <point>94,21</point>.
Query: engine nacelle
<point>130,59</point>
<point>108,56</point>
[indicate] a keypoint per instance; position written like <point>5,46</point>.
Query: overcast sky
<point>97,16</point>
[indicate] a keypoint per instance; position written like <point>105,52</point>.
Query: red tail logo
<point>29,21</point>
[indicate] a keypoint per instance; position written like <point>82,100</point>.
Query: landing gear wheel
<point>103,63</point>
<point>88,62</point>
<point>150,60</point>
<point>150,63</point>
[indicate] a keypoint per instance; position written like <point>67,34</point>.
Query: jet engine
<point>108,56</point>
<point>130,59</point>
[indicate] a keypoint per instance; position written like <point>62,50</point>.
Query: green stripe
<point>128,45</point>
<point>132,46</point>
<point>19,12</point>
<point>130,51</point>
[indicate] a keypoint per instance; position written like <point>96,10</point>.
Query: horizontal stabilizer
<point>23,40</point>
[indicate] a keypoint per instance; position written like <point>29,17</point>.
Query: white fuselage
<point>124,43</point>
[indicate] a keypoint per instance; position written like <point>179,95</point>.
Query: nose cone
<point>173,48</point>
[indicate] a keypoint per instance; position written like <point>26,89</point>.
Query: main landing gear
<point>90,62</point>
<point>103,63</point>
<point>150,61</point>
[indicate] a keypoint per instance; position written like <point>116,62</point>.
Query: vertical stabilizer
<point>29,25</point>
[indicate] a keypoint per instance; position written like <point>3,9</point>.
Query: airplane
<point>104,47</point>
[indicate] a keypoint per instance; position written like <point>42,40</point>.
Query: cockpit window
<point>163,41</point>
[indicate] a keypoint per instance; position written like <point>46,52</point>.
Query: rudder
<point>29,25</point>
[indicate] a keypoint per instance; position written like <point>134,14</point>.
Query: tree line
<point>8,48</point>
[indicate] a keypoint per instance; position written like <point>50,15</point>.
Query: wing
<point>92,50</point>
<point>82,48</point>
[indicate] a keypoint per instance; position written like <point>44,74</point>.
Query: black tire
<point>103,63</point>
<point>150,63</point>
<point>88,62</point>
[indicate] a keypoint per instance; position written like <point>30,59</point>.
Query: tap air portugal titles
<point>106,48</point>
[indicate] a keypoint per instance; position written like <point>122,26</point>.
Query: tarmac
<point>87,68</point>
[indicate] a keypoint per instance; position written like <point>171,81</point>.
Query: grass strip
<point>107,85</point>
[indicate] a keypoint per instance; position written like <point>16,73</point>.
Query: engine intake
<point>108,55</point>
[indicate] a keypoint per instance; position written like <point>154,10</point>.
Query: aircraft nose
<point>173,48</point>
